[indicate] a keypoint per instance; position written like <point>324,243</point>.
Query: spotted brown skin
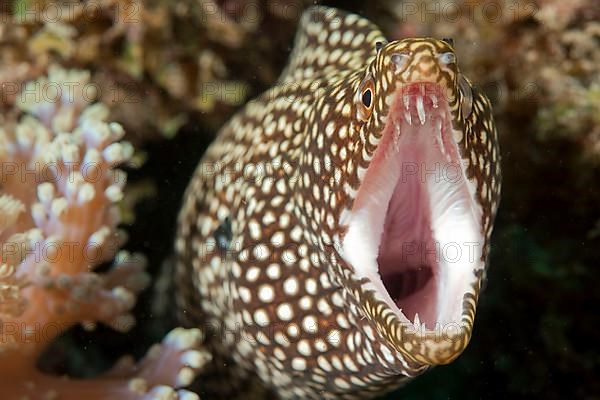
<point>261,229</point>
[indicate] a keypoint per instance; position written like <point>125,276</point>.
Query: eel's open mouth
<point>414,230</point>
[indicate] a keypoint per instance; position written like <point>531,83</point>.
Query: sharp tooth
<point>417,322</point>
<point>397,137</point>
<point>408,117</point>
<point>422,90</point>
<point>406,99</point>
<point>440,138</point>
<point>434,100</point>
<point>421,109</point>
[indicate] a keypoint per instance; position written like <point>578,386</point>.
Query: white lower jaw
<point>455,226</point>
<point>455,223</point>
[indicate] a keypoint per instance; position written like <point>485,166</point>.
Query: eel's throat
<point>414,229</point>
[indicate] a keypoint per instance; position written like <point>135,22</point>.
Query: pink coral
<point>59,216</point>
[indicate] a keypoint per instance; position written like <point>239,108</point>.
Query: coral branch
<point>159,376</point>
<point>59,191</point>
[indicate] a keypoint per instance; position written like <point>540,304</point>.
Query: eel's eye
<point>364,106</point>
<point>367,97</point>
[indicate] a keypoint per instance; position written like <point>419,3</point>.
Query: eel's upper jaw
<point>415,228</point>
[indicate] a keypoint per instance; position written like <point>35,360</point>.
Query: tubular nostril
<point>450,41</point>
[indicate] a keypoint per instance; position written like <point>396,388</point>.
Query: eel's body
<point>336,233</point>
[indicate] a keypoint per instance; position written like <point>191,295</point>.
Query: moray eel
<point>337,230</point>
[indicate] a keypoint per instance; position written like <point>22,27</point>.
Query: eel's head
<point>415,237</point>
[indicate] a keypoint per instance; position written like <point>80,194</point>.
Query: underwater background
<point>183,73</point>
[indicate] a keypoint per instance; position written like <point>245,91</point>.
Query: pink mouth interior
<point>407,259</point>
<point>412,156</point>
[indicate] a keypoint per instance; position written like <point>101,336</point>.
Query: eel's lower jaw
<point>414,231</point>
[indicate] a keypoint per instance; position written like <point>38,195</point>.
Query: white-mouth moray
<point>336,232</point>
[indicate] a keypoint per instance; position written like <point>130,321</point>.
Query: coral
<point>59,191</point>
<point>183,60</point>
